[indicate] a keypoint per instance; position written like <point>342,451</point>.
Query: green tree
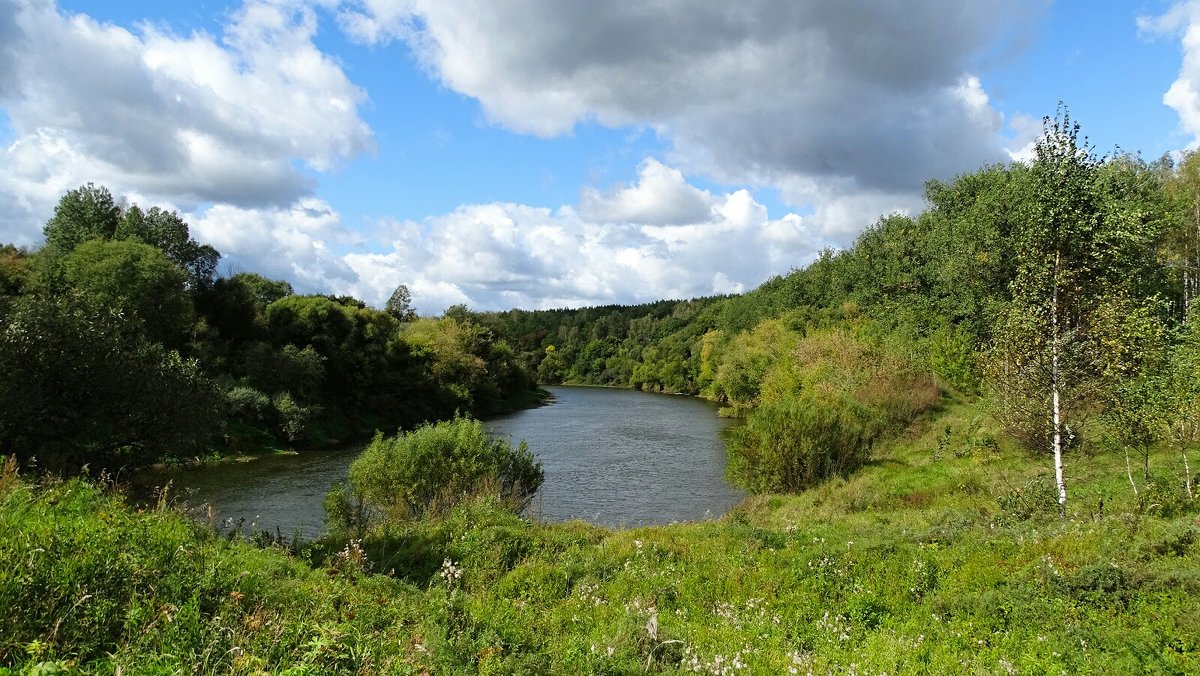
<point>1086,240</point>
<point>167,232</point>
<point>1182,246</point>
<point>136,279</point>
<point>1177,414</point>
<point>15,270</point>
<point>80,384</point>
<point>87,212</point>
<point>399,305</point>
<point>1041,357</point>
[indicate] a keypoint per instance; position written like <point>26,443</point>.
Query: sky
<point>539,153</point>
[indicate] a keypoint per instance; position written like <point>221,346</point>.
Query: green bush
<point>796,443</point>
<point>294,419</point>
<point>246,403</point>
<point>435,466</point>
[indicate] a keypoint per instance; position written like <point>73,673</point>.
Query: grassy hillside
<point>943,555</point>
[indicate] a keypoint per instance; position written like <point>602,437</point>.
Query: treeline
<point>1060,289</point>
<point>120,346</point>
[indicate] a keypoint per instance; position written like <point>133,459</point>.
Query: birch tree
<point>1178,410</point>
<point>1182,249</point>
<point>1042,361</point>
<point>1087,298</point>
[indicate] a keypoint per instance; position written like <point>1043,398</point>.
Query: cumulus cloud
<point>196,118</point>
<point>503,255</point>
<point>662,196</point>
<point>1183,21</point>
<point>847,97</point>
<point>298,243</point>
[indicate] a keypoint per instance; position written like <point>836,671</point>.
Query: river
<point>612,457</point>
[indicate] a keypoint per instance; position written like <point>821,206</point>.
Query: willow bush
<point>824,405</point>
<point>435,466</point>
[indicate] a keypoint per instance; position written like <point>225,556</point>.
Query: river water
<point>611,457</point>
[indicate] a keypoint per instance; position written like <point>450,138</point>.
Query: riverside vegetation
<point>968,438</point>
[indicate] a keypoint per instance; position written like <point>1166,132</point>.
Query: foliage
<point>83,214</point>
<point>399,305</point>
<point>80,385</point>
<point>295,370</point>
<point>794,444</point>
<point>167,232</point>
<point>826,403</point>
<point>134,279</point>
<point>435,466</point>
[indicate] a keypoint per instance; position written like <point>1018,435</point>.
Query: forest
<point>121,347</point>
<point>965,437</point>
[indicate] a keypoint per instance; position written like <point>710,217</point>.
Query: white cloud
<point>503,255</point>
<point>498,256</point>
<point>661,197</point>
<point>297,243</point>
<point>181,118</point>
<point>1026,133</point>
<point>852,98</point>
<point>1183,21</point>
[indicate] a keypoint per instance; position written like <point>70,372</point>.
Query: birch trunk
<point>1129,472</point>
<point>1187,476</point>
<point>1055,394</point>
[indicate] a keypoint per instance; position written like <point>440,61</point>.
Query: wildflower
<point>451,573</point>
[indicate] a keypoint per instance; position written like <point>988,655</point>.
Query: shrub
<point>822,407</point>
<point>294,419</point>
<point>435,466</point>
<point>796,443</point>
<point>246,403</point>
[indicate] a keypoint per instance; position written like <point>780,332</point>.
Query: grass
<point>944,555</point>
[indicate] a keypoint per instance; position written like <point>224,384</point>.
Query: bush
<point>435,466</point>
<point>246,403</point>
<point>822,408</point>
<point>794,444</point>
<point>294,419</point>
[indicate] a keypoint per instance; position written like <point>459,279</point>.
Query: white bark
<point>1055,394</point>
<point>1129,472</point>
<point>1187,475</point>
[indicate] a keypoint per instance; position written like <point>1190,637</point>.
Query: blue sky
<point>534,153</point>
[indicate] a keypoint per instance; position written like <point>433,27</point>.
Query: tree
<point>15,270</point>
<point>136,279</point>
<point>167,232</point>
<point>80,384</point>
<point>399,305</point>
<point>1178,390</point>
<point>1085,243</point>
<point>1042,364</point>
<point>87,212</point>
<point>1183,245</point>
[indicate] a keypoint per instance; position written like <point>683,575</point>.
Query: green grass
<point>941,556</point>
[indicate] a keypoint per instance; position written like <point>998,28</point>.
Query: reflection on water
<point>612,457</point>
